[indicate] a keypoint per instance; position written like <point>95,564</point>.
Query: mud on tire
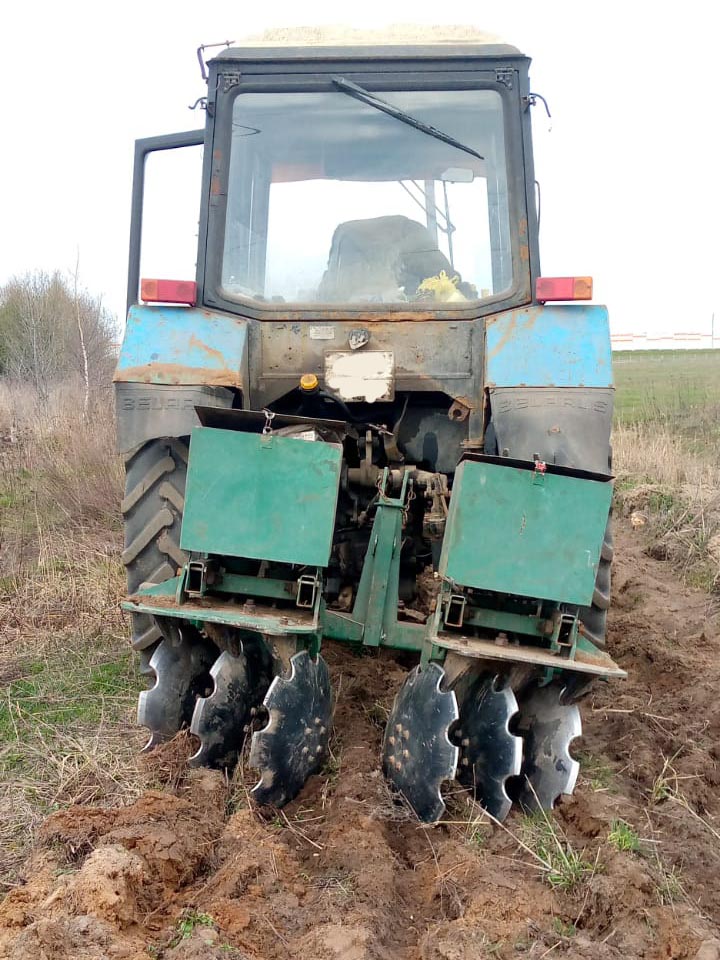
<point>152,511</point>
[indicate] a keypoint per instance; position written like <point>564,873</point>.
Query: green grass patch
<point>61,693</point>
<point>563,867</point>
<point>623,837</point>
<point>665,385</point>
<point>190,920</point>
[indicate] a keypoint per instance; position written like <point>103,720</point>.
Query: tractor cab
<point>383,183</point>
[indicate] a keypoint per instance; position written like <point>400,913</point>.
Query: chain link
<point>269,417</point>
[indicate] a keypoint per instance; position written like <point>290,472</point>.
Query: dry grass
<point>670,489</point>
<point>655,452</point>
<point>67,679</point>
<point>57,468</point>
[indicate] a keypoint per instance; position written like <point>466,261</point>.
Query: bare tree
<point>51,330</point>
<point>81,335</point>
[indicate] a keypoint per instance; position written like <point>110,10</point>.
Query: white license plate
<point>367,375</point>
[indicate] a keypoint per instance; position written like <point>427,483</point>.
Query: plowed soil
<point>345,873</point>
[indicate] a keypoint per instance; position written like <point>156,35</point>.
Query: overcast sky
<point>628,165</point>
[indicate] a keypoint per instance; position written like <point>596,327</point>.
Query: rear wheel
<point>152,510</point>
<point>594,617</point>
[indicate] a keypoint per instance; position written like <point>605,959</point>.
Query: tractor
<point>368,420</point>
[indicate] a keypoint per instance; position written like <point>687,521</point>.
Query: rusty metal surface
<point>183,346</point>
<point>432,356</point>
<point>176,374</point>
<point>258,616</point>
<point>599,664</point>
<point>549,346</point>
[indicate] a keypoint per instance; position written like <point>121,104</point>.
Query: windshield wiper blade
<point>354,90</point>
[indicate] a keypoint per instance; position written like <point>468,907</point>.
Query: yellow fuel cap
<point>309,382</point>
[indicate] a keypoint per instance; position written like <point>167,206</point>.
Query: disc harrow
<point>499,749</point>
<point>499,745</point>
<point>418,755</point>
<point>220,720</point>
<point>294,743</point>
<point>180,664</point>
<point>489,753</point>
<point>548,726</point>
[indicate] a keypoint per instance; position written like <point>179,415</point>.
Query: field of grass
<point>666,445</point>
<point>665,385</point>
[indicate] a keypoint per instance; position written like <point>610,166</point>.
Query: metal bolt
<point>308,731</point>
<point>246,728</point>
<point>458,733</point>
<point>465,762</point>
<point>406,753</point>
<point>465,742</point>
<point>398,727</point>
<point>305,751</point>
<point>398,765</point>
<point>391,741</point>
<point>318,721</point>
<point>323,729</point>
<point>406,734</point>
<point>253,711</point>
<point>318,750</point>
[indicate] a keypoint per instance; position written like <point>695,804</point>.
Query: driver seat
<point>381,259</point>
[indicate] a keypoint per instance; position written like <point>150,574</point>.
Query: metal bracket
<point>208,46</point>
<point>307,592</point>
<point>455,610</point>
<point>506,76</point>
<point>230,80</point>
<point>564,640</point>
<point>198,575</point>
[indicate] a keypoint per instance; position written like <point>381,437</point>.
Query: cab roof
<point>494,51</point>
<point>406,42</point>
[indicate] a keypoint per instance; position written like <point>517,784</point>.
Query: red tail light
<point>563,288</point>
<point>169,291</point>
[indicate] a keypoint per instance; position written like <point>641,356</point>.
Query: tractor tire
<point>594,617</point>
<point>152,511</point>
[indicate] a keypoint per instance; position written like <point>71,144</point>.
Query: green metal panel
<point>514,530</point>
<point>261,496</point>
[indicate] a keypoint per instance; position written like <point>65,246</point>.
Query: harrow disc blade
<point>489,753</point>
<point>220,720</point>
<point>294,743</point>
<point>549,727</point>
<point>180,663</point>
<point>417,753</point>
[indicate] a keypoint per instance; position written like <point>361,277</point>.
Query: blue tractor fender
<point>183,346</point>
